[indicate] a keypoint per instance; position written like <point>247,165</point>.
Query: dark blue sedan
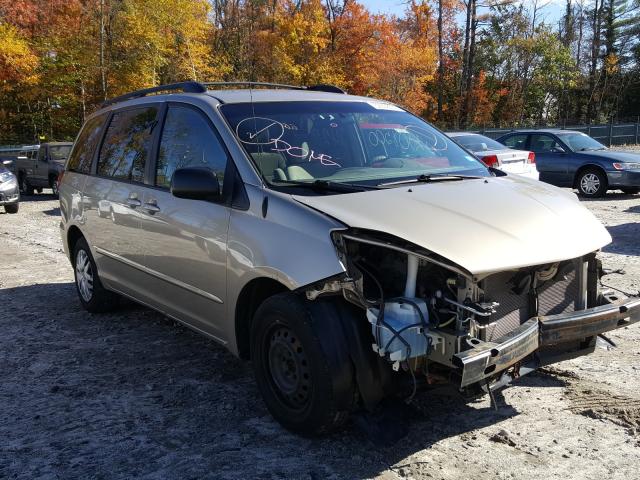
<point>573,159</point>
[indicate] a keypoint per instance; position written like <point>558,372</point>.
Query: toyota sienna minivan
<point>344,246</point>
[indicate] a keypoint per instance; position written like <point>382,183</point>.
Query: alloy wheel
<point>590,183</point>
<point>84,276</point>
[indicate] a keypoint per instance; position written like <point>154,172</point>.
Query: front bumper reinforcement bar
<point>485,359</point>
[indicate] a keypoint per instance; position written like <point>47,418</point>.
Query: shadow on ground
<point>38,197</point>
<point>53,212</point>
<point>612,196</point>
<point>131,393</point>
<point>625,239</point>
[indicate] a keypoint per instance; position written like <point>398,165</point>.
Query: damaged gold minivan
<point>347,248</point>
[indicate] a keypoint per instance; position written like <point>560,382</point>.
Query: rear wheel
<point>93,296</point>
<point>12,208</point>
<point>53,181</point>
<point>592,183</point>
<point>292,367</point>
<point>631,190</point>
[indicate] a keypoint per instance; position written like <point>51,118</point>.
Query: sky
<point>551,12</point>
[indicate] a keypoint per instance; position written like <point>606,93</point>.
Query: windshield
<point>579,142</point>
<point>344,142</point>
<point>478,143</point>
<point>59,152</point>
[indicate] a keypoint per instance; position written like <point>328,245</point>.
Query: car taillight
<point>532,158</point>
<point>491,161</point>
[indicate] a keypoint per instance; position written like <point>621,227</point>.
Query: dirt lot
<point>131,394</point>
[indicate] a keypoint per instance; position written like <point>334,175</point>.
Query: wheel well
<point>73,235</point>
<point>587,167</point>
<point>252,295</point>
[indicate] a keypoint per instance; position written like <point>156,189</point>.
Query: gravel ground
<point>131,394</point>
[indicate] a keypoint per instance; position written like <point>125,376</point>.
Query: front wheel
<point>592,183</point>
<point>12,208</point>
<point>93,296</point>
<point>292,367</point>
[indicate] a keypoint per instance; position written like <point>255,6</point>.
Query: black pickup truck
<point>38,167</point>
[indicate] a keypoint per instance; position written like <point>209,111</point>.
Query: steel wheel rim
<point>288,368</point>
<point>84,276</point>
<point>54,187</point>
<point>590,183</point>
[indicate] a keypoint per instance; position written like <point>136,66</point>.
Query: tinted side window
<point>82,154</point>
<point>127,143</point>
<point>518,142</point>
<point>544,144</point>
<point>188,141</point>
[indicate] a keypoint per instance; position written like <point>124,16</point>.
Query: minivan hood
<point>484,225</point>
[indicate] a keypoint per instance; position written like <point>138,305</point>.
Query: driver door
<point>41,170</point>
<point>552,160</point>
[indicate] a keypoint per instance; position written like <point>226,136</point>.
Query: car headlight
<point>9,184</point>
<point>627,166</point>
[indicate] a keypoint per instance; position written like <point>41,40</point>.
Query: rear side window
<point>127,143</point>
<point>85,146</point>
<point>518,142</point>
<point>188,140</point>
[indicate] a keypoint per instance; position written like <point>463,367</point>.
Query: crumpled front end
<point>438,322</point>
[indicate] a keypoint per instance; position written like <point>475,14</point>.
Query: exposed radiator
<point>555,296</point>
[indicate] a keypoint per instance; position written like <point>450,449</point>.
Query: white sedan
<point>494,154</point>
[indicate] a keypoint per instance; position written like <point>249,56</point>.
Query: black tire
<point>305,389</point>
<point>12,208</point>
<point>98,299</point>
<point>25,186</point>
<point>592,183</point>
<point>631,190</point>
<point>39,189</point>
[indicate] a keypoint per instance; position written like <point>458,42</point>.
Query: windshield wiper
<point>434,177</point>
<point>328,186</point>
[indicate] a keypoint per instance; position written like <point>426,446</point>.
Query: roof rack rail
<point>197,87</point>
<point>318,88</point>
<point>187,87</point>
<point>324,87</point>
<point>253,84</point>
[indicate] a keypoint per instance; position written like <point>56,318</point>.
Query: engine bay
<point>423,311</point>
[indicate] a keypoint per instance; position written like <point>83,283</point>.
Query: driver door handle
<point>133,202</point>
<point>151,207</point>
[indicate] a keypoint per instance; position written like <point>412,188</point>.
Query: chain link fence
<point>609,134</point>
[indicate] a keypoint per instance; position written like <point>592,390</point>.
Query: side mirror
<point>558,149</point>
<point>195,183</point>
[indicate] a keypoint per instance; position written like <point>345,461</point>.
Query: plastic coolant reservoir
<point>401,327</point>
